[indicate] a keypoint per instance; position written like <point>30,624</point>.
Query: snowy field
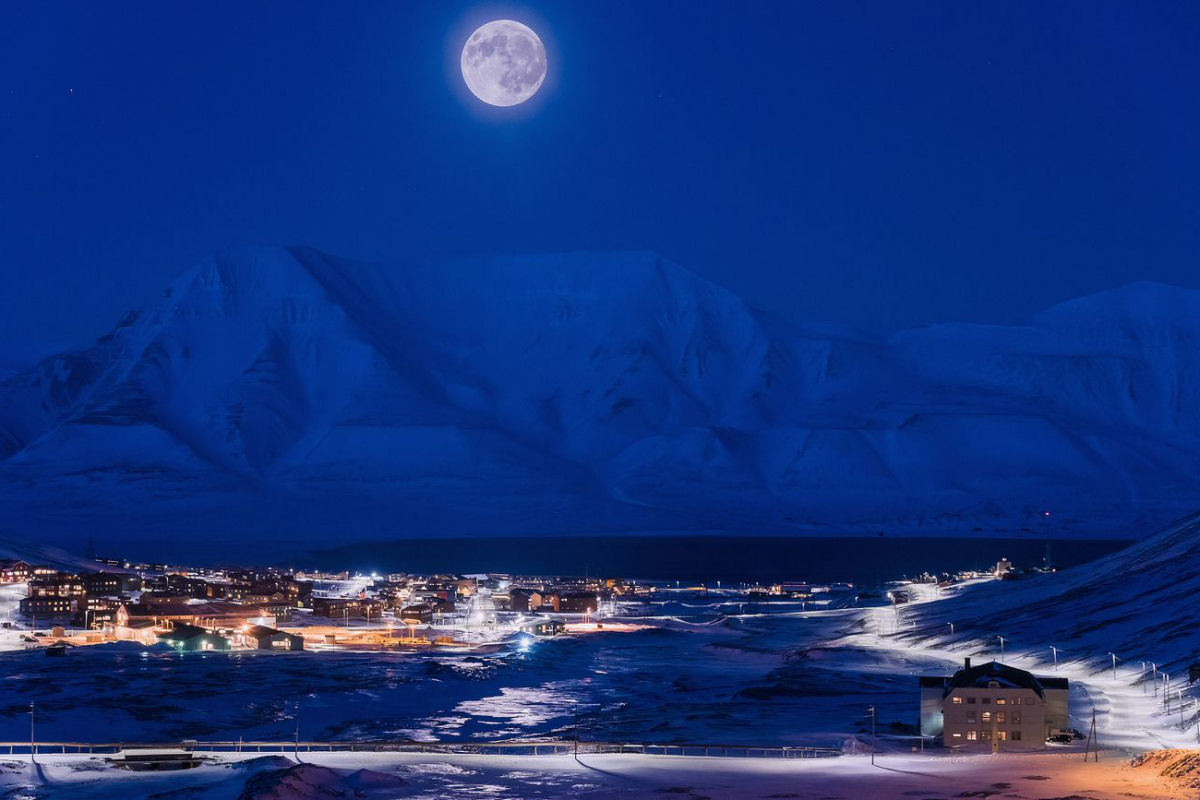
<point>699,676</point>
<point>421,777</point>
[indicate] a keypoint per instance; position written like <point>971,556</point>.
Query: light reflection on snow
<point>525,706</point>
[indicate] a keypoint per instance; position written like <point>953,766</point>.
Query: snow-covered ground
<point>594,777</point>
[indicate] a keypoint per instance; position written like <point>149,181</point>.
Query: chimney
<point>967,662</point>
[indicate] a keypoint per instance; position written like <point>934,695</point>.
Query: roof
<point>182,633</point>
<point>983,675</point>
<point>262,632</point>
<point>193,610</point>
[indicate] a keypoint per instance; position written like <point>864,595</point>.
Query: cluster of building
<point>92,599</point>
<point>223,609</point>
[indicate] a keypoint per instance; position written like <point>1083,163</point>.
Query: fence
<point>521,748</point>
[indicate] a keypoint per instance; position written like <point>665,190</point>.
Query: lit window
<point>956,700</point>
<point>972,735</point>
<point>1002,735</point>
<point>1016,701</point>
<point>999,716</point>
<point>956,735</point>
<point>987,716</point>
<point>1000,701</point>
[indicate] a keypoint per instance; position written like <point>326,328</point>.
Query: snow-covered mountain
<point>283,392</point>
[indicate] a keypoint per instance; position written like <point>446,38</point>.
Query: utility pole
<point>951,624</point>
<point>1092,750</point>
<point>1114,663</point>
<point>32,739</point>
<point>1001,638</point>
<point>1054,652</point>
<point>576,732</point>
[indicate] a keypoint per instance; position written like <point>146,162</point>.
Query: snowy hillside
<point>1138,603</point>
<point>286,393</point>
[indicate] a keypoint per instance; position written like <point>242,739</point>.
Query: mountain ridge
<point>277,390</point>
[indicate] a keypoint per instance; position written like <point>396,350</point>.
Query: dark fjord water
<point>709,558</point>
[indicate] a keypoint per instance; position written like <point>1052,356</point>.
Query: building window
<point>970,716</point>
<point>1016,736</point>
<point>1002,735</point>
<point>986,701</point>
<point>972,735</point>
<point>985,735</point>
<point>971,701</point>
<point>987,716</point>
<point>1016,717</point>
<point>1000,716</point>
<point>1016,701</point>
<point>956,735</point>
<point>956,700</point>
<point>1000,701</point>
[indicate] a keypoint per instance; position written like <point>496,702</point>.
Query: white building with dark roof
<point>993,707</point>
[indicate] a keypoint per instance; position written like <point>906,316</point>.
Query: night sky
<point>878,164</point>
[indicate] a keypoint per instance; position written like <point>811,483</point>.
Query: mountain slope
<point>1138,603</point>
<point>287,393</point>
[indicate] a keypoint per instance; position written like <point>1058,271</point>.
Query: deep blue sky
<point>878,164</point>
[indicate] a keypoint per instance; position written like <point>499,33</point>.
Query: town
<point>55,609</point>
<point>202,609</point>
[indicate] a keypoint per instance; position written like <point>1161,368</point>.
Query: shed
<point>190,638</point>
<point>273,639</point>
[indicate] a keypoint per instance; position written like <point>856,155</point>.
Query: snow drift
<point>285,393</point>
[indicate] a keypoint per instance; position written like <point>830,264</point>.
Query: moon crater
<point>504,63</point>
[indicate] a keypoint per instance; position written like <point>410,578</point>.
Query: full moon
<point>504,63</point>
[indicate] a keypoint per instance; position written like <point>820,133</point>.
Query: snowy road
<point>620,777</point>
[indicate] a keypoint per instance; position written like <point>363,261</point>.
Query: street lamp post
<point>1001,638</point>
<point>297,752</point>
<point>1114,664</point>
<point>871,714</point>
<point>32,738</point>
<point>951,624</point>
<point>1054,652</point>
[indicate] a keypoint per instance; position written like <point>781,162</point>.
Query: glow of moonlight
<point>503,63</point>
